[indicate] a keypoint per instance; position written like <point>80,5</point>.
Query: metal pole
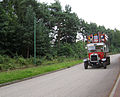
<point>34,40</point>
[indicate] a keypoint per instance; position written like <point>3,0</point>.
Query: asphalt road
<point>71,82</point>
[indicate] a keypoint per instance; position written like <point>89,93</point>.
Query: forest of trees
<point>56,32</point>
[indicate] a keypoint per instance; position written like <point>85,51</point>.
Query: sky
<point>101,12</point>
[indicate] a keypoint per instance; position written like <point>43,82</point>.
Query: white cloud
<point>102,12</point>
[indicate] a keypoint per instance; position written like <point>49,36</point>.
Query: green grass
<point>29,72</point>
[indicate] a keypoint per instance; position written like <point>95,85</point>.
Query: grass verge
<point>10,76</point>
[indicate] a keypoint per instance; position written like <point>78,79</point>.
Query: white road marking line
<point>114,89</point>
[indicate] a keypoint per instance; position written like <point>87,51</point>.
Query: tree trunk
<point>59,33</point>
<point>66,38</point>
<point>28,51</point>
<point>58,39</point>
<point>83,41</point>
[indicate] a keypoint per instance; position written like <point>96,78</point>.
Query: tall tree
<point>70,26</point>
<point>7,26</point>
<point>56,21</point>
<point>43,39</point>
<point>28,31</point>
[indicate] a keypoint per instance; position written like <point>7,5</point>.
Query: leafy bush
<point>22,61</point>
<point>7,63</point>
<point>1,59</point>
<point>65,50</point>
<point>4,59</point>
<point>114,50</point>
<point>79,50</point>
<point>1,67</point>
<point>61,59</point>
<point>75,50</point>
<point>8,66</point>
<point>49,57</point>
<point>38,61</point>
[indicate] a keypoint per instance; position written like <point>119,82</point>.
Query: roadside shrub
<point>22,61</point>
<point>8,66</point>
<point>1,59</point>
<point>79,50</point>
<point>1,67</point>
<point>65,50</point>
<point>30,60</point>
<point>114,50</point>
<point>49,57</point>
<point>38,61</point>
<point>6,63</point>
<point>4,59</point>
<point>61,59</point>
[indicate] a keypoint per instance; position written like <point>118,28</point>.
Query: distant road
<point>71,82</point>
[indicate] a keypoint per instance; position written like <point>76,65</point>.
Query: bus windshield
<point>95,49</point>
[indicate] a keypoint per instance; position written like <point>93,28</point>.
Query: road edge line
<point>115,86</point>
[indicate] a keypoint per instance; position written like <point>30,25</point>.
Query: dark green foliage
<point>65,50</point>
<point>7,28</point>
<point>19,62</point>
<point>43,39</point>
<point>79,50</point>
<point>6,63</point>
<point>16,27</point>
